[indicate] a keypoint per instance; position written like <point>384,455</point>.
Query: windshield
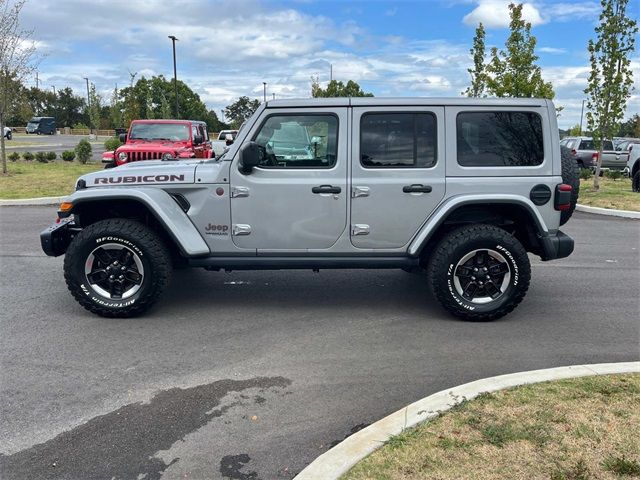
<point>159,131</point>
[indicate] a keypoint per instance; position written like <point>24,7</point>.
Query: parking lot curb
<point>339,459</point>
<point>31,201</point>
<point>607,211</point>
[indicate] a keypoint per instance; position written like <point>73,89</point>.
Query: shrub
<point>14,156</point>
<point>41,157</point>
<point>68,155</point>
<point>80,126</point>
<point>586,173</point>
<point>614,174</point>
<point>83,151</point>
<point>52,156</point>
<point>112,143</point>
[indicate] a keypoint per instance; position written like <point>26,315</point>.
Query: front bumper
<point>556,246</point>
<point>57,237</point>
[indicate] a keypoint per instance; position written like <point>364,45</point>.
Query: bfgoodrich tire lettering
<point>507,270</point>
<point>140,259</point>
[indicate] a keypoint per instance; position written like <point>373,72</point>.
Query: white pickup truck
<point>225,138</point>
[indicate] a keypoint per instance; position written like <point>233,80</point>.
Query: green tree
<point>115,109</point>
<point>611,77</point>
<point>478,75</point>
<point>574,131</point>
<point>240,110</point>
<point>213,122</point>
<point>336,88</point>
<point>17,61</point>
<point>70,108</point>
<point>630,128</point>
<point>95,107</point>
<point>513,72</point>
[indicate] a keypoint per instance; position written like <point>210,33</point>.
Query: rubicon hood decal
<point>139,179</point>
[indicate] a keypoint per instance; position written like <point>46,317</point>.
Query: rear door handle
<point>326,189</point>
<point>417,188</point>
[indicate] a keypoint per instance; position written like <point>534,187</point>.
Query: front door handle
<point>326,189</point>
<point>417,188</point>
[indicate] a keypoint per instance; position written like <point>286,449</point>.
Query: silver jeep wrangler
<point>458,188</point>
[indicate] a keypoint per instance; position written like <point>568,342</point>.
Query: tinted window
<point>299,141</point>
<point>499,139</point>
<point>395,140</point>
<point>589,145</point>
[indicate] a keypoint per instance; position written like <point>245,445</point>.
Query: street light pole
<point>54,90</point>
<point>581,112</point>
<point>175,71</point>
<point>264,91</point>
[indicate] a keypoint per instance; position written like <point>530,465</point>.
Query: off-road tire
<point>635,181</point>
<point>136,237</point>
<point>441,270</point>
<point>570,176</point>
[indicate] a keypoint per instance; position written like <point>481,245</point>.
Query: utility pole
<point>274,95</point>
<point>54,90</point>
<point>222,113</point>
<point>37,81</point>
<point>175,71</point>
<point>331,72</point>
<point>264,91</point>
<point>581,112</point>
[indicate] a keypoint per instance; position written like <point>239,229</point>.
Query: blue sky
<point>228,48</point>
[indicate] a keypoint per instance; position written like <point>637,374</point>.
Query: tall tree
<point>70,108</point>
<point>611,77</point>
<point>336,88</point>
<point>17,60</point>
<point>630,128</point>
<point>240,110</point>
<point>95,108</point>
<point>115,111</point>
<point>478,75</point>
<point>513,72</point>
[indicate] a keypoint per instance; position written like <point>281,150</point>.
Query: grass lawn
<point>616,194</point>
<point>34,179</point>
<point>586,428</point>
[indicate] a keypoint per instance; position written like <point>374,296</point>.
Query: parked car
<point>161,140</point>
<point>584,152</point>
<point>224,140</point>
<point>633,164</point>
<point>41,125</point>
<point>7,133</point>
<point>463,188</point>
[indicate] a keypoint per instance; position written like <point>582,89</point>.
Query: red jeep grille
<point>136,156</point>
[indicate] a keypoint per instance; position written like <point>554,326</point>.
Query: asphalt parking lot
<point>251,375</point>
<point>53,143</point>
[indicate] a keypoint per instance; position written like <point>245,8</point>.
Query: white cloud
<point>564,12</point>
<point>495,14</point>
<point>553,50</point>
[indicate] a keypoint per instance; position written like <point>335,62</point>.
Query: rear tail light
<point>594,157</point>
<point>563,197</point>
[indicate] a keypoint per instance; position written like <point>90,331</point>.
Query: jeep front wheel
<point>479,272</point>
<point>117,267</point>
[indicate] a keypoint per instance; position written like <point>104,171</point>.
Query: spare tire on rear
<point>570,176</point>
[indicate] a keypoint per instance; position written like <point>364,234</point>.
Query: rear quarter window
<point>499,139</point>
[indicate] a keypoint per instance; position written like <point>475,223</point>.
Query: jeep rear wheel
<point>117,268</point>
<point>570,176</point>
<point>479,273</point>
<point>635,181</point>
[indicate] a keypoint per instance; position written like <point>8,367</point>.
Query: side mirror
<point>228,138</point>
<point>123,138</point>
<point>315,140</point>
<point>197,139</point>
<point>251,155</point>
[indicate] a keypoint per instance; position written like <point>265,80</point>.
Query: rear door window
<point>499,139</point>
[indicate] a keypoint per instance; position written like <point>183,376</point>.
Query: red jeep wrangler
<point>161,140</point>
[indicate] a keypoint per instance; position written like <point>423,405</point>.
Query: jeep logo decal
<point>139,179</point>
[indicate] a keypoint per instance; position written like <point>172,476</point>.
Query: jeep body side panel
<point>160,204</point>
<point>387,206</point>
<point>276,209</point>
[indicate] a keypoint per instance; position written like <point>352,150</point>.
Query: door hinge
<point>237,192</point>
<point>359,192</point>
<point>359,229</point>
<point>240,229</point>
